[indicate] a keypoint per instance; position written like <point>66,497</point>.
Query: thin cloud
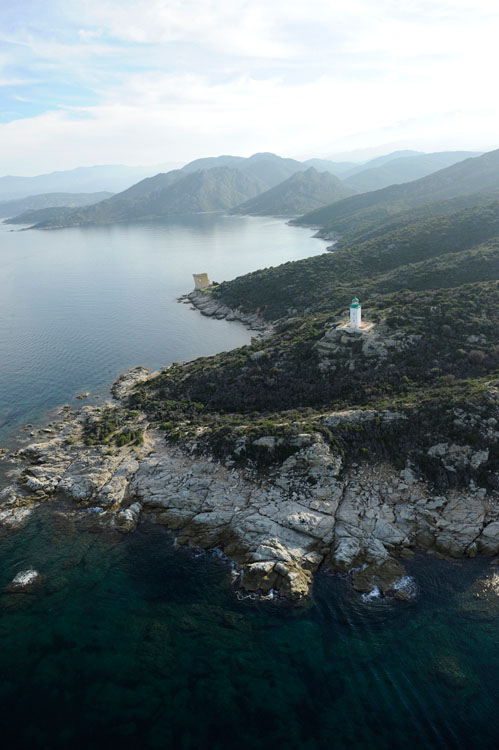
<point>145,81</point>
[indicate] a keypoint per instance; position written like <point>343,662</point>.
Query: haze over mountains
<point>213,184</point>
<point>302,189</point>
<point>379,161</point>
<point>108,178</point>
<point>477,175</point>
<point>381,172</point>
<point>338,168</point>
<point>266,184</point>
<point>50,200</point>
<point>268,168</point>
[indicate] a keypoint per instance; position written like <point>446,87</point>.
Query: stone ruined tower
<point>201,280</point>
<point>355,313</point>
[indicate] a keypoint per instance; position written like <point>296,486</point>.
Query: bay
<point>79,306</point>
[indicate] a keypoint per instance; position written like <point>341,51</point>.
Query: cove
<point>79,306</point>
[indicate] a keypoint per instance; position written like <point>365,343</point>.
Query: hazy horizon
<point>360,156</point>
<point>144,83</point>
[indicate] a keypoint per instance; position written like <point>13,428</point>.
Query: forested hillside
<point>300,192</point>
<point>474,175</point>
<point>211,184</point>
<point>404,258</point>
<point>429,286</point>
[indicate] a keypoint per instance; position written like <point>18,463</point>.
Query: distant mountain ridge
<point>199,192</point>
<point>338,168</point>
<point>403,169</point>
<point>50,200</point>
<point>478,174</point>
<point>110,178</point>
<point>38,215</point>
<point>205,190</point>
<point>301,192</point>
<point>269,168</point>
<point>217,186</point>
<point>224,182</point>
<point>215,189</point>
<point>379,161</point>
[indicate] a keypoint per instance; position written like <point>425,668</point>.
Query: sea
<point>129,641</point>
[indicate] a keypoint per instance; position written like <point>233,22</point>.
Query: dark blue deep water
<point>126,641</point>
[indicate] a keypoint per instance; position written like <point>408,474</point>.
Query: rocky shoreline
<point>211,308</point>
<point>310,510</point>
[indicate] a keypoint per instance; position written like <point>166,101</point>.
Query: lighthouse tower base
<point>364,327</point>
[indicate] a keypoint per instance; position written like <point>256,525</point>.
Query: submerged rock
<point>23,580</point>
<point>127,519</point>
<point>382,576</point>
<point>448,669</point>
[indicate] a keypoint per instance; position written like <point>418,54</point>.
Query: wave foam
<point>408,585</point>
<point>25,577</point>
<point>374,594</point>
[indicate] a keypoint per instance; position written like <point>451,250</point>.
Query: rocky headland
<point>314,445</point>
<point>313,508</point>
<point>209,306</point>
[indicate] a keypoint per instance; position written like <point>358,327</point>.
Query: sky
<point>166,81</point>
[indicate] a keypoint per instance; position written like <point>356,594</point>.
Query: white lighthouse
<point>355,313</point>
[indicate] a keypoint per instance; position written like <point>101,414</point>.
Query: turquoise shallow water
<point>128,642</point>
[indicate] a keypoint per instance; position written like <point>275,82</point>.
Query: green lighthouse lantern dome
<point>355,302</point>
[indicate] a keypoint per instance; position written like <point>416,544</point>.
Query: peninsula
<point>337,437</point>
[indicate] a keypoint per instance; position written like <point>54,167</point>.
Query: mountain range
<point>50,200</point>
<point>214,189</point>
<point>379,161</point>
<point>301,192</point>
<point>265,167</point>
<point>362,212</point>
<point>380,173</point>
<point>214,184</point>
<point>109,178</point>
<point>267,184</point>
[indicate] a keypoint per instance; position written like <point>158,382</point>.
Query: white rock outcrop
<point>279,528</point>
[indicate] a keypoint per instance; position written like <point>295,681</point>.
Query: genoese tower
<point>201,281</point>
<point>355,314</point>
